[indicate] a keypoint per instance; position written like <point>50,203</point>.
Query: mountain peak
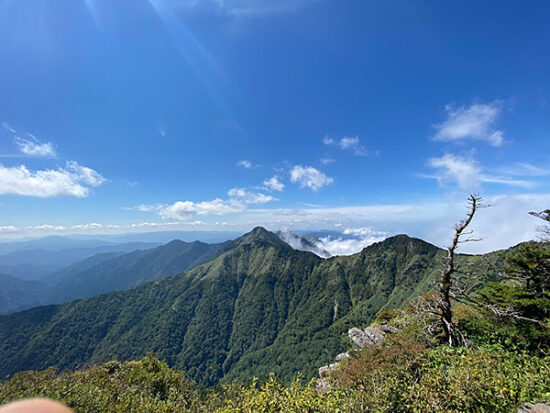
<point>406,243</point>
<point>260,234</point>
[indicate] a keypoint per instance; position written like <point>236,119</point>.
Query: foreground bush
<point>147,385</point>
<point>273,396</point>
<point>404,377</point>
<point>400,377</point>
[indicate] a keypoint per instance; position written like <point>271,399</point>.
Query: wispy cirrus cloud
<point>309,177</point>
<point>249,197</point>
<point>8,127</point>
<point>347,143</point>
<point>30,145</point>
<point>34,148</point>
<point>246,164</point>
<point>524,169</point>
<point>467,173</point>
<point>72,180</point>
<point>245,8</point>
<point>476,122</point>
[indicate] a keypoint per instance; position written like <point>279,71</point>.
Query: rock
<point>534,408</point>
<point>358,337</point>
<point>322,386</point>
<point>375,336</point>
<point>343,356</point>
<point>369,337</point>
<point>325,370</point>
<point>387,329</point>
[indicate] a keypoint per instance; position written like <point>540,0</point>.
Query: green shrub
<point>147,385</point>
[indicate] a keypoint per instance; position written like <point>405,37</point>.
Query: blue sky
<point>375,117</point>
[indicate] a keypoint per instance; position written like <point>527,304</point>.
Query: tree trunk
<point>450,333</point>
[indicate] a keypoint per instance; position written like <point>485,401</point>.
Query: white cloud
<point>245,163</point>
<point>525,169</point>
<point>72,180</point>
<point>347,143</point>
<point>7,127</point>
<point>456,169</point>
<point>468,174</point>
<point>308,176</point>
<point>505,224</point>
<point>8,228</point>
<point>238,200</point>
<point>363,232</point>
<point>182,210</point>
<point>353,241</point>
<point>273,184</point>
<point>92,225</point>
<point>242,195</point>
<point>473,122</point>
<point>507,181</point>
<point>35,148</point>
<point>85,174</point>
<point>327,161</point>
<point>328,140</point>
<point>148,208</point>
<point>349,246</point>
<point>47,227</point>
<point>164,224</point>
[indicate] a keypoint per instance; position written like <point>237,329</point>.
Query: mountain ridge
<point>258,307</point>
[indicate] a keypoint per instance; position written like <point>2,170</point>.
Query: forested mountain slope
<point>133,269</point>
<point>106,272</point>
<point>259,307</point>
<point>17,294</point>
<point>38,263</point>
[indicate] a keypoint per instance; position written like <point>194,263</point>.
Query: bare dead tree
<point>544,230</point>
<point>450,333</point>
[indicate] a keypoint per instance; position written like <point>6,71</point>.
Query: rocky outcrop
<point>534,408</point>
<point>325,370</point>
<point>368,337</point>
<point>342,356</point>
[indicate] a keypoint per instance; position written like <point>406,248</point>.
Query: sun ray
<point>90,5</point>
<point>196,55</point>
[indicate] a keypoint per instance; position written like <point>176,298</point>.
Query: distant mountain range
<point>130,270</point>
<point>108,271</point>
<point>257,306</point>
<point>17,294</point>
<point>38,263</point>
<point>103,272</point>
